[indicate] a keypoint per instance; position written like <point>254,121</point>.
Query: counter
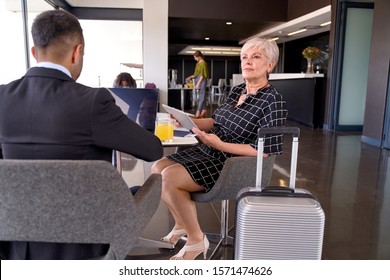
<point>237,78</point>
<point>180,98</point>
<point>304,95</point>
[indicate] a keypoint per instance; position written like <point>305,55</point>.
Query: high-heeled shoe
<point>202,246</point>
<point>177,232</point>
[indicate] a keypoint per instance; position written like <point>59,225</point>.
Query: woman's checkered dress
<point>236,124</point>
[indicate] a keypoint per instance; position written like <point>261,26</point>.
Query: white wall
<point>155,35</point>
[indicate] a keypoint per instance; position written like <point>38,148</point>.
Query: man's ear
<point>34,53</point>
<point>78,52</point>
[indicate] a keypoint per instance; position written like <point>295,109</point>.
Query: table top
<point>182,88</point>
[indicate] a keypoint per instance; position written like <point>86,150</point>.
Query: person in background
<point>125,80</point>
<point>46,114</point>
<point>231,131</point>
<point>200,76</point>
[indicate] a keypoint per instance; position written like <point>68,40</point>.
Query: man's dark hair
<point>124,76</point>
<point>55,26</point>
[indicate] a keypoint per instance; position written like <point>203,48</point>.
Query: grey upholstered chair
<point>237,173</point>
<point>74,202</point>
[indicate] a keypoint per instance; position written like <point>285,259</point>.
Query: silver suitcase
<point>278,223</point>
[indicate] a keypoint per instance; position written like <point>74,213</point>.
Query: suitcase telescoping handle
<point>262,132</point>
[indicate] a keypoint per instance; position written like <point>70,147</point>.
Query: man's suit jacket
<point>47,115</point>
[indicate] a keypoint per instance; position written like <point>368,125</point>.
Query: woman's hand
<point>215,142</point>
<point>175,121</point>
<point>209,139</point>
<point>204,124</point>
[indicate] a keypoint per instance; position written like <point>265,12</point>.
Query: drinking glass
<point>164,130</point>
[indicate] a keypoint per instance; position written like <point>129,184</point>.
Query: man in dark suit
<point>47,115</point>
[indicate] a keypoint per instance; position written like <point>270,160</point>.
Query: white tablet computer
<point>182,117</point>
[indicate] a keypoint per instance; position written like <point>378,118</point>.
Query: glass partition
<point>111,46</point>
<point>355,66</point>
<point>12,47</point>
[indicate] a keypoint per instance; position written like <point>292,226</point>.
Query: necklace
<point>246,95</point>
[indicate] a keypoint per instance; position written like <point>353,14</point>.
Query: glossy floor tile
<point>350,179</point>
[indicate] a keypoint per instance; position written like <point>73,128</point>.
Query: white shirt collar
<point>52,65</point>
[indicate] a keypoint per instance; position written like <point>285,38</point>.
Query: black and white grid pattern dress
<point>236,124</point>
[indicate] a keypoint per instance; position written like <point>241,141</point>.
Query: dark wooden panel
<point>233,67</point>
<point>218,71</point>
<point>298,8</point>
<point>304,99</point>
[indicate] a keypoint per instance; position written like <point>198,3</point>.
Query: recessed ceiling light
<point>296,32</point>
<point>212,50</point>
<point>326,23</point>
<point>312,27</point>
<point>207,38</point>
<point>273,39</point>
<point>229,23</point>
<point>221,49</point>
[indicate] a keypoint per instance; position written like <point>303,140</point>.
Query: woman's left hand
<point>209,139</point>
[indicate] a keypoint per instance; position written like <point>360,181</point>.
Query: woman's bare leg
<point>176,188</point>
<point>177,185</point>
<point>158,167</point>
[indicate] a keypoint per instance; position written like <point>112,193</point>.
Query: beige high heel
<point>179,232</point>
<point>202,246</point>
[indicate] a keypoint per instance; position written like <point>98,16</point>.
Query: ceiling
<point>190,22</point>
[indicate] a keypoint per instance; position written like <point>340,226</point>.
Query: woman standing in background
<point>200,76</point>
<point>125,80</point>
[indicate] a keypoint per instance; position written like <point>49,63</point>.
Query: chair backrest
<point>221,83</point>
<point>72,202</point>
<point>237,173</point>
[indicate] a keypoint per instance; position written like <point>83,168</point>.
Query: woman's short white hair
<point>270,48</point>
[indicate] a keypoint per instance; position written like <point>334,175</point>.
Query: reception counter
<point>180,98</point>
<point>304,95</point>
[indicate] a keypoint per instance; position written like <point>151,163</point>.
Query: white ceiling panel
<point>127,4</point>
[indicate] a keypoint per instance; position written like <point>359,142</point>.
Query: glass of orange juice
<point>164,129</point>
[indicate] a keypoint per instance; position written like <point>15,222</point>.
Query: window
<point>110,45</point>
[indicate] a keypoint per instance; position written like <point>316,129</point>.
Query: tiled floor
<point>350,179</point>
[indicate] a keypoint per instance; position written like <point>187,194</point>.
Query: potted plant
<point>310,53</point>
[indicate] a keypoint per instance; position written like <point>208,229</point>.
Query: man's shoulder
<point>10,86</point>
<point>92,90</point>
<point>99,94</point>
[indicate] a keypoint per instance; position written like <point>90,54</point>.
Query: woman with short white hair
<point>231,131</point>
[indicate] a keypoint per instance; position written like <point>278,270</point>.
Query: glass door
<point>386,125</point>
<point>352,50</point>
